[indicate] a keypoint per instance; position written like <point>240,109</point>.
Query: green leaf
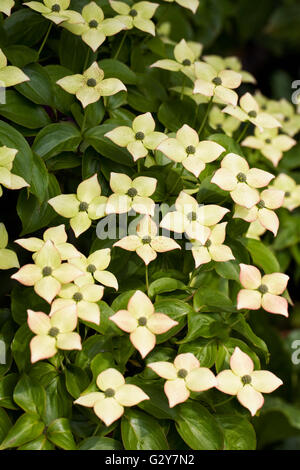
<point>204,325</point>
<point>74,53</point>
<point>23,299</point>
<point>59,433</point>
<point>5,424</point>
<point>25,429</point>
<point>41,443</point>
<point>142,432</point>
<point>56,138</point>
<point>76,380</point>
<point>239,324</point>
<point>174,308</point>
<point>226,349</point>
<point>115,69</point>
<point>100,443</point>
<point>25,27</point>
<point>21,111</point>
<point>209,300</point>
<point>230,145</point>
<point>20,347</point>
<point>175,113</point>
<point>204,349</point>
<point>165,284</point>
<point>39,88</point>
<point>20,56</point>
<point>62,99</point>
<point>262,255</point>
<point>238,433</point>
<point>30,395</point>
<point>228,270</point>
<point>7,385</point>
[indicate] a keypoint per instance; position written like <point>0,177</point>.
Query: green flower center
<point>263,289</point>
<point>132,192</point>
<point>91,268</point>
<point>190,149</point>
<point>217,81</point>
<point>286,119</point>
<point>53,332</point>
<point>91,82</point>
<point>93,24</point>
<point>261,204</point>
<point>77,296</point>
<point>55,7</point>
<point>142,321</point>
<point>241,177</point>
<point>133,13</point>
<point>268,141</point>
<point>83,207</point>
<point>218,126</point>
<point>207,243</point>
<point>139,135</point>
<point>246,379</point>
<point>146,240</point>
<point>263,107</point>
<point>109,393</point>
<point>192,216</point>
<point>47,271</point>
<point>287,194</point>
<point>186,62</point>
<point>252,114</point>
<point>182,373</point>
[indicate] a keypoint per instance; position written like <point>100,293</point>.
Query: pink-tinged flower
<point>146,243</point>
<point>142,322</point>
<point>94,267</point>
<point>241,181</point>
<point>255,230</point>
<point>192,218</point>
<point>262,291</point>
<point>7,155</point>
<point>213,248</point>
<point>291,190</point>
<point>48,273</point>
<point>58,236</point>
<point>53,333</point>
<point>131,194</point>
<point>263,211</point>
<point>115,394</point>
<point>245,382</point>
<point>183,376</point>
<point>83,296</point>
<point>83,207</point>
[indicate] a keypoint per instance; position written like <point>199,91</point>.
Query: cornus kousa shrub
<point>149,235</point>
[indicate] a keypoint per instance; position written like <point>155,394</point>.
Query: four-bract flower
<point>137,15</point>
<point>142,322</point>
<point>8,258</point>
<point>189,4</point>
<point>7,178</point>
<point>291,190</point>
<point>219,121</point>
<point>241,181</point>
<point>255,230</point>
<point>245,382</point>
<point>214,83</point>
<point>270,143</point>
<point>229,63</point>
<point>285,112</point>
<point>192,218</point>
<point>262,291</point>
<point>115,394</point>
<point>94,267</point>
<point>146,243</point>
<point>249,110</point>
<point>187,149</point>
<point>213,248</point>
<point>183,376</point>
<point>93,28</point>
<point>83,207</point>
<point>263,211</point>
<point>83,296</point>
<point>131,194</point>
<point>57,235</point>
<point>54,10</point>
<point>53,333</point>
<point>139,138</point>
<point>6,6</point>
<point>9,74</point>
<point>91,85</point>
<point>48,273</point>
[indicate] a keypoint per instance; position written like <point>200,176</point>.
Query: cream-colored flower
<point>249,110</point>
<point>193,219</point>
<point>54,10</point>
<point>219,121</point>
<point>142,322</point>
<point>241,181</point>
<point>214,83</point>
<point>262,291</point>
<point>115,394</point>
<point>263,211</point>
<point>146,243</point>
<point>91,85</point>
<point>137,15</point>
<point>291,190</point>
<point>213,248</point>
<point>48,273</point>
<point>189,4</point>
<point>131,194</point>
<point>187,91</point>
<point>83,207</point>
<point>255,230</point>
<point>183,376</point>
<point>187,149</point>
<point>6,6</point>
<point>245,382</point>
<point>229,63</point>
<point>139,138</point>
<point>9,74</point>
<point>94,28</point>
<point>53,333</point>
<point>286,114</point>
<point>7,178</point>
<point>57,235</point>
<point>270,143</point>
<point>8,258</point>
<point>94,267</point>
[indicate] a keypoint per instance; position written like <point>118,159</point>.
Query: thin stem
<point>83,122</point>
<point>120,45</point>
<point>45,39</point>
<point>182,88</point>
<point>224,401</point>
<point>177,181</point>
<point>243,132</point>
<point>139,165</point>
<point>147,278</point>
<point>205,116</point>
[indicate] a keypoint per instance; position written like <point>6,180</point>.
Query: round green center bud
<point>207,243</point>
<point>261,204</point>
<point>217,81</point>
<point>286,119</point>
<point>192,216</point>
<point>47,271</point>
<point>142,321</point>
<point>91,82</point>
<point>133,13</point>
<point>53,332</point>
<point>91,268</point>
<point>263,289</point>
<point>268,141</point>
<point>190,149</point>
<point>83,207</point>
<point>246,379</point>
<point>131,192</point>
<point>146,240</point>
<point>55,8</point>
<point>219,126</point>
<point>252,114</point>
<point>263,107</point>
<point>186,62</point>
<point>139,135</point>
<point>182,373</point>
<point>77,296</point>
<point>109,393</point>
<point>287,194</point>
<point>93,24</point>
<point>241,177</point>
